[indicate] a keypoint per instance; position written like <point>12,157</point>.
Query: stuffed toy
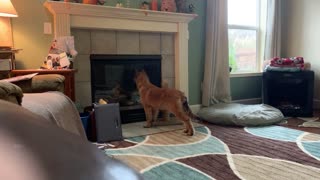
<point>168,5</point>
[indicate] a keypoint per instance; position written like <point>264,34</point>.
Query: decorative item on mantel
<point>94,2</point>
<point>154,5</point>
<point>119,4</point>
<point>145,5</point>
<point>101,2</point>
<point>75,1</point>
<point>168,6</point>
<point>182,6</point>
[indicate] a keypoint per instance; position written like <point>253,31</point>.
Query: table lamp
<point>6,11</point>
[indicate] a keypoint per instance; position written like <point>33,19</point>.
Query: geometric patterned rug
<point>219,152</point>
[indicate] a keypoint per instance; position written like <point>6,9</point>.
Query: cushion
<point>241,114</point>
<point>10,92</point>
<point>42,83</point>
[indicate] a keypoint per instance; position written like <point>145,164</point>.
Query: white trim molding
<point>77,15</point>
<point>195,108</point>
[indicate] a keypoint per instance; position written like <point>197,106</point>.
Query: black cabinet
<point>290,92</point>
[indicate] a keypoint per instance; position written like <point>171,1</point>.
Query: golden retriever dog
<point>154,99</point>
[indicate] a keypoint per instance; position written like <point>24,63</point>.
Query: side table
<point>69,88</point>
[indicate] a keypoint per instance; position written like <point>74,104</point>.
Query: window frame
<point>256,28</point>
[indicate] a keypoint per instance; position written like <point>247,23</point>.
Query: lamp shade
<point>7,9</point>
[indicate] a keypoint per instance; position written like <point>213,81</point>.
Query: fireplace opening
<point>112,79</point>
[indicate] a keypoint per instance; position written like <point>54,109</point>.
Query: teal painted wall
<point>246,87</point>
<point>197,35</point>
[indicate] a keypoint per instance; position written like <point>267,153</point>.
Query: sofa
<point>31,148</point>
<point>42,95</point>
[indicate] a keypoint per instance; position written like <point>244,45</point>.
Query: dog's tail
<point>187,109</point>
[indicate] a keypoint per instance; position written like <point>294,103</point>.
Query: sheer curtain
<point>273,31</point>
<point>216,83</point>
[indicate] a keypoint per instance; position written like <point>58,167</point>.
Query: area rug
<point>218,152</point>
<point>136,129</point>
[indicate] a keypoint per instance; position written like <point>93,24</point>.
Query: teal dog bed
<point>241,115</point>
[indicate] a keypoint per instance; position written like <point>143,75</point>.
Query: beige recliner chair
<point>42,95</point>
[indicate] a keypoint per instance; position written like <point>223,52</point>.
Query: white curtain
<point>273,32</point>
<point>216,83</point>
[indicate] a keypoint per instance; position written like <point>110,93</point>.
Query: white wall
<point>301,34</point>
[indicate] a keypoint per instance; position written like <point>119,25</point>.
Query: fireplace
<point>112,79</point>
<point>82,16</point>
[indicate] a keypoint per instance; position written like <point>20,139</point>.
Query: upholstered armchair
<point>43,95</point>
<point>13,91</point>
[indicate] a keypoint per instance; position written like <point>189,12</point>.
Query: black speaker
<point>290,92</point>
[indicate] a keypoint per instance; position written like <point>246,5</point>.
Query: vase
<point>154,5</point>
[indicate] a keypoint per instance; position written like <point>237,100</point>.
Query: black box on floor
<point>290,92</point>
<point>108,122</point>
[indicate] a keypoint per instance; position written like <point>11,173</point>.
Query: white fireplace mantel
<point>76,15</point>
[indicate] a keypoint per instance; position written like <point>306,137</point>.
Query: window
<point>246,35</point>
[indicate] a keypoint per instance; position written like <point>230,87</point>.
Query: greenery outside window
<point>246,31</point>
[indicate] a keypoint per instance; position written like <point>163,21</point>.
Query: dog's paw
<point>185,131</point>
<point>190,133</point>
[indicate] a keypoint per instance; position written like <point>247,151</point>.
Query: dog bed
<point>241,115</point>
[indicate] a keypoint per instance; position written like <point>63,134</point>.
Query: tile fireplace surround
<point>110,24</point>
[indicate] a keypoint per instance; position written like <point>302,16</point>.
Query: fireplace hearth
<point>112,79</point>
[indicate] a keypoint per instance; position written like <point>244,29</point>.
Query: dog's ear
<point>136,73</point>
<point>144,72</point>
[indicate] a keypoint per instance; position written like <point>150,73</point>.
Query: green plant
<point>232,58</point>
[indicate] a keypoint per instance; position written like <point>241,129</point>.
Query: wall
<point>301,34</point>
<point>28,35</point>
<point>246,87</point>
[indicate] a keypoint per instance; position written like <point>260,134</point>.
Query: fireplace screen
<point>112,78</point>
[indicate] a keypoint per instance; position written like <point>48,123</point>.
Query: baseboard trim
<point>195,108</point>
<point>248,101</point>
<point>316,104</point>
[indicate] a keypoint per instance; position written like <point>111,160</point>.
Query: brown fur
<point>154,99</point>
